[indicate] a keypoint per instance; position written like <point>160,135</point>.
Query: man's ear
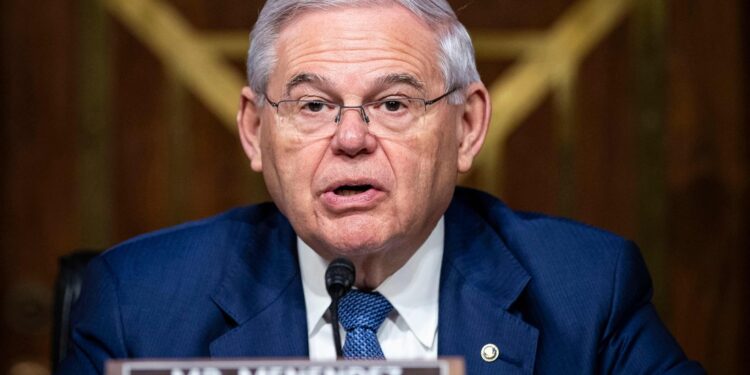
<point>473,126</point>
<point>248,122</point>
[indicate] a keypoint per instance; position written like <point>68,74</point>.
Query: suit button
<point>490,352</point>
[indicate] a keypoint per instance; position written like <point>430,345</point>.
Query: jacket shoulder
<point>133,292</point>
<point>588,293</point>
<point>566,260</point>
<point>533,235</point>
<point>200,248</point>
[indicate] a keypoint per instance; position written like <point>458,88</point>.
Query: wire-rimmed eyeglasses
<point>316,117</point>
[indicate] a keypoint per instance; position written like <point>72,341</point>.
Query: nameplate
<point>277,367</point>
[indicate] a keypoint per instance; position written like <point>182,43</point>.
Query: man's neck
<point>377,265</point>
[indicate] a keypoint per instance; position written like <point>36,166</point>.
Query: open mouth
<point>356,194</point>
<point>349,190</point>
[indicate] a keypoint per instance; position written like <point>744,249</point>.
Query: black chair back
<point>67,289</point>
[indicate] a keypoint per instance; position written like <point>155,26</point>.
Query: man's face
<point>355,193</point>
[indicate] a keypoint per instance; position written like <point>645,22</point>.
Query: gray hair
<point>456,52</point>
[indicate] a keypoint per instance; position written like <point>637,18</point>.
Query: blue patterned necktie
<point>361,313</point>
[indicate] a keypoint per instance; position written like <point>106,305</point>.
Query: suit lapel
<point>480,280</point>
<point>262,294</point>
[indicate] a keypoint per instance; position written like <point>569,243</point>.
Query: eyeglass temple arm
<point>433,101</point>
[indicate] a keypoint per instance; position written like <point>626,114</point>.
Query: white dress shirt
<point>410,331</point>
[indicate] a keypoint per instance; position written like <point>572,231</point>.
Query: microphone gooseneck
<point>339,279</point>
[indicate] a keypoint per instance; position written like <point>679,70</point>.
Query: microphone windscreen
<point>339,277</point>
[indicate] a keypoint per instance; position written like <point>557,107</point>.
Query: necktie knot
<point>361,314</point>
<point>359,309</point>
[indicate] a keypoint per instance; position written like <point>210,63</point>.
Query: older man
<point>360,115</point>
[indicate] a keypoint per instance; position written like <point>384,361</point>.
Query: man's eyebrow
<point>401,78</point>
<point>303,78</point>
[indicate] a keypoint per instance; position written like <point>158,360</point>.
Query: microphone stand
<point>339,279</point>
<point>335,321</point>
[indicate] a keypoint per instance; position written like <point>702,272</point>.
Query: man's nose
<point>352,134</point>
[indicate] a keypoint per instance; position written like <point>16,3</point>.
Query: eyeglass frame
<point>361,107</point>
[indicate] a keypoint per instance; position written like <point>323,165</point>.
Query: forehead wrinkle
<point>336,50</point>
<point>400,78</point>
<point>412,71</point>
<point>305,77</point>
<point>352,47</point>
<point>340,51</point>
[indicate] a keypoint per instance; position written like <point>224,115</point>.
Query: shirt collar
<point>413,290</point>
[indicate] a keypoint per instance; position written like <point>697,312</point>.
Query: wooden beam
<point>231,44</point>
<point>504,45</point>
<point>649,83</point>
<point>522,88</point>
<point>207,74</point>
<point>95,134</point>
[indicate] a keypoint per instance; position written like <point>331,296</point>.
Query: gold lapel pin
<point>490,352</point>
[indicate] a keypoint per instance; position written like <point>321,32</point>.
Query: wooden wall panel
<point>743,244</point>
<point>221,175</point>
<point>532,166</point>
<point>138,120</point>
<point>707,181</point>
<point>510,14</point>
<point>230,14</point>
<point>162,180</point>
<point>37,170</point>
<point>604,164</point>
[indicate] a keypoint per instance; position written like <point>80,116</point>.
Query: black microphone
<point>339,279</point>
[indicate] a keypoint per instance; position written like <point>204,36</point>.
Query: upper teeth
<point>351,189</point>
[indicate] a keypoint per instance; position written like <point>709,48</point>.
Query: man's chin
<point>349,246</point>
<point>357,249</point>
<point>353,235</point>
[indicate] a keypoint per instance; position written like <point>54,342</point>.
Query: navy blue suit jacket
<point>556,297</point>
